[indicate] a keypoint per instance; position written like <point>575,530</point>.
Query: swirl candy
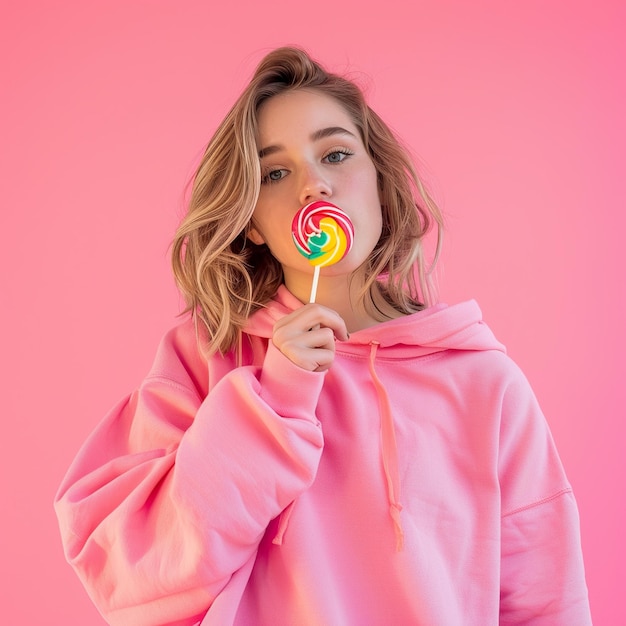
<point>324,234</point>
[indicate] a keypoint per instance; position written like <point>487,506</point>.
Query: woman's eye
<point>273,176</point>
<point>336,156</point>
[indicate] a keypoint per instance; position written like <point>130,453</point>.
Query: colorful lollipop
<point>323,233</point>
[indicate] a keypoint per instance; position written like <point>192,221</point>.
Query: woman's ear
<point>255,236</point>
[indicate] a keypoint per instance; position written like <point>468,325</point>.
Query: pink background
<point>516,110</point>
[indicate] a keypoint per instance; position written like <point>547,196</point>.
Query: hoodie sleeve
<point>172,493</point>
<point>542,573</point>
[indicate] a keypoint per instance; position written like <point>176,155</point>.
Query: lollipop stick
<point>316,277</point>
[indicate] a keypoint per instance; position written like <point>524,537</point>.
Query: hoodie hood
<point>437,328</point>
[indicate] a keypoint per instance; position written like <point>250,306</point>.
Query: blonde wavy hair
<point>224,277</point>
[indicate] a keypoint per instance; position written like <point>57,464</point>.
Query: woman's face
<point>311,150</point>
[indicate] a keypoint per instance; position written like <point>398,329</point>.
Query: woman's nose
<point>314,186</point>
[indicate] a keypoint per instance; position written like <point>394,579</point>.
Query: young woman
<point>372,458</point>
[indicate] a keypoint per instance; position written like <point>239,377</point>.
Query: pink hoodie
<point>415,482</point>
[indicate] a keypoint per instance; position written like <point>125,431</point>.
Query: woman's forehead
<point>304,112</point>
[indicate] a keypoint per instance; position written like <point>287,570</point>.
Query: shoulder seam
<point>171,383</point>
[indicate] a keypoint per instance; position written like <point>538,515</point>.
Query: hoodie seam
<point>537,503</point>
<point>169,382</point>
<point>364,357</point>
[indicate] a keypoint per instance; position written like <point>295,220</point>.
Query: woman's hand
<point>307,336</point>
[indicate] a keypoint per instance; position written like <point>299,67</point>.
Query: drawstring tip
<point>399,540</point>
<point>394,511</point>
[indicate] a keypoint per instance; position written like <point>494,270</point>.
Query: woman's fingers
<point>307,336</point>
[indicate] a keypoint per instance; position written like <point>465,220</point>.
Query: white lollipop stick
<point>316,278</point>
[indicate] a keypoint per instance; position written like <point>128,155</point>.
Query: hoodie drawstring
<point>389,456</point>
<point>389,449</point>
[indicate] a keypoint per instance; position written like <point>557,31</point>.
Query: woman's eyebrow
<point>322,133</point>
<point>329,132</point>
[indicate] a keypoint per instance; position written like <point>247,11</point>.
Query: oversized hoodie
<point>415,482</point>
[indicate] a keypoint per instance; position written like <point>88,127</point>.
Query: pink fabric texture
<point>415,482</point>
